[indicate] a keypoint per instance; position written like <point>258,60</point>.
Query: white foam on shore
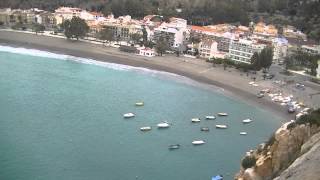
<point>46,54</point>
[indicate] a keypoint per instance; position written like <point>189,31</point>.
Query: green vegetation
<point>161,46</point>
<point>136,38</point>
<point>106,34</point>
<point>262,59</point>
<point>75,28</point>
<point>271,140</point>
<point>248,162</point>
<point>312,118</point>
<point>301,60</point>
<point>38,28</point>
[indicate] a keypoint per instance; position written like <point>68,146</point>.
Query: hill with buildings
<point>302,14</point>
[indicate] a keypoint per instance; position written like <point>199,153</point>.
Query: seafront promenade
<point>233,82</point>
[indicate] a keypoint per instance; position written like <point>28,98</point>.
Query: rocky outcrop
<point>307,166</point>
<point>289,142</point>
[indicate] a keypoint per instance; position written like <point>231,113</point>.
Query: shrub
<point>312,118</point>
<point>271,140</point>
<point>315,80</point>
<point>248,162</point>
<point>291,126</point>
<point>218,60</point>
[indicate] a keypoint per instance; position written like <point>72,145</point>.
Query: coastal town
<point>226,44</point>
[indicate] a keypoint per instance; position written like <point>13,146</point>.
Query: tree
<point>36,27</point>
<point>248,162</point>
<point>255,62</point>
<point>75,28</point>
<point>145,36</point>
<point>106,34</point>
<point>161,46</point>
<point>266,57</point>
<point>136,38</point>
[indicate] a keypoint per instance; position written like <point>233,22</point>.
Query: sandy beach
<point>234,83</point>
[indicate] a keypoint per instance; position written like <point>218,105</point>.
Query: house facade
<point>209,49</point>
<point>311,49</point>
<point>242,50</point>
<point>280,49</point>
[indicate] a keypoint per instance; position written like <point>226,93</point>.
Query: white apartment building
<point>174,32</point>
<point>280,49</point>
<point>242,50</point>
<point>311,49</point>
<point>64,13</point>
<point>209,49</point>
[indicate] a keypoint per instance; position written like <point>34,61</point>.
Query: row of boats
<point>166,124</point>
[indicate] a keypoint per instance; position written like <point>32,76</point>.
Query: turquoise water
<point>62,119</point>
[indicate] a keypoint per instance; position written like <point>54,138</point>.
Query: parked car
<point>269,76</point>
<point>300,86</point>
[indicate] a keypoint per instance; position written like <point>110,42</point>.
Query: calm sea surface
<point>61,119</point>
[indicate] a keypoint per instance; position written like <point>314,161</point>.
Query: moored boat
<point>222,114</point>
<point>128,115</point>
<point>243,133</point>
<point>204,129</point>
<point>146,128</point>
<point>221,126</point>
<point>291,110</point>
<point>246,121</point>
<point>260,95</point>
<point>198,142</point>
<point>195,120</point>
<point>174,146</point>
<point>163,125</point>
<point>218,177</point>
<point>210,117</point>
<point>139,103</point>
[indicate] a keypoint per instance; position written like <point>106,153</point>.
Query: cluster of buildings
<point>237,43</point>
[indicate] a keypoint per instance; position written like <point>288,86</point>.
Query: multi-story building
<point>173,32</point>
<point>242,50</point>
<point>68,12</point>
<point>262,29</point>
<point>209,49</point>
<point>311,49</point>
<point>280,49</point>
<point>222,36</point>
<point>292,32</point>
<point>123,27</point>
<point>5,16</point>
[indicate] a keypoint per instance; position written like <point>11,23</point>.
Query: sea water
<point>61,117</point>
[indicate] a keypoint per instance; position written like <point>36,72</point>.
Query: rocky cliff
<point>293,152</point>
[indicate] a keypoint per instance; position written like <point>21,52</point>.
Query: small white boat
<point>139,104</point>
<point>128,115</point>
<point>221,126</point>
<point>222,114</point>
<point>246,121</point>
<point>210,117</point>
<point>163,125</point>
<point>198,142</point>
<point>195,120</point>
<point>204,129</point>
<point>146,128</point>
<point>243,133</point>
<point>174,146</point>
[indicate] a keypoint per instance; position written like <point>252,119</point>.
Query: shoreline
<point>198,70</point>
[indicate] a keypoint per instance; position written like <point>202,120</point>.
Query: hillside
<point>302,14</point>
